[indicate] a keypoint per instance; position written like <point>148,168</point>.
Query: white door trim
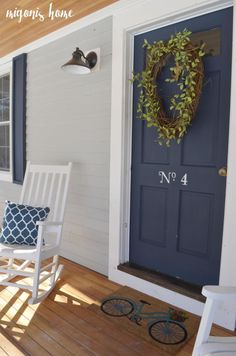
<point>125,25</point>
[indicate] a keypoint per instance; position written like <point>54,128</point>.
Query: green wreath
<point>187,72</point>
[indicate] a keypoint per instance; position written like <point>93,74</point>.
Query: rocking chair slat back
<point>31,186</point>
<point>38,186</point>
<point>51,185</point>
<point>64,196</point>
<point>58,196</point>
<point>46,186</point>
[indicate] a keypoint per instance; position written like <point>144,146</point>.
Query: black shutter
<point>19,117</point>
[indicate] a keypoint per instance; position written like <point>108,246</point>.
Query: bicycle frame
<point>152,316</point>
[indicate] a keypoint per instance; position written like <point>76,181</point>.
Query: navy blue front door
<point>177,193</point>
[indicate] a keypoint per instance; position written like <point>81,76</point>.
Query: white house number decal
<point>171,177</point>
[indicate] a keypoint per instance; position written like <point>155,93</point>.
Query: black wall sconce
<point>79,63</point>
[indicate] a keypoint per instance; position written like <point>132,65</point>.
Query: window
<point>5,124</point>
<point>211,38</point>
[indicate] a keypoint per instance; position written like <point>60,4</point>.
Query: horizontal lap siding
<point>68,119</point>
<point>8,191</point>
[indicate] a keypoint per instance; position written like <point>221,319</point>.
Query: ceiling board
<point>15,34</point>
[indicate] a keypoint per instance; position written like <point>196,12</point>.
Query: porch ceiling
<point>14,35</point>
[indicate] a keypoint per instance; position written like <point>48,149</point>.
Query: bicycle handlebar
<point>144,302</point>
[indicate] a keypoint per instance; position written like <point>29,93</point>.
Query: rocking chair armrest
<point>219,293</point>
<point>49,223</point>
<point>47,226</point>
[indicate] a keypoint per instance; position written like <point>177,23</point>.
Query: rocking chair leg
<point>10,264</point>
<point>53,270</point>
<point>36,280</point>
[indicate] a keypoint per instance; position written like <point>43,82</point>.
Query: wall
<point>68,119</point>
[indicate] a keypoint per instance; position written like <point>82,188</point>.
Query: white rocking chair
<point>43,186</point>
<point>212,345</point>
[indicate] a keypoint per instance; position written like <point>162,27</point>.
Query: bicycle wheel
<point>168,332</point>
<point>117,307</point>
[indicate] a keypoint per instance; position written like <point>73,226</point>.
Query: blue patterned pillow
<point>19,224</point>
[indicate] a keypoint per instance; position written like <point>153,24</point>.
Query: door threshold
<point>174,284</point>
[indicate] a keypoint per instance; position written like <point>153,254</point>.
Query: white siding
<point>68,119</point>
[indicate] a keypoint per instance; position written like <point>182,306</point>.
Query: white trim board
<point>125,25</point>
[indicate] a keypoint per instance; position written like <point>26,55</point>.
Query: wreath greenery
<point>187,73</point>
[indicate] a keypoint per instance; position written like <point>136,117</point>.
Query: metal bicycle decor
<point>164,327</point>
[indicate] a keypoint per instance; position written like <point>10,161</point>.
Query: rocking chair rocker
<point>45,186</point>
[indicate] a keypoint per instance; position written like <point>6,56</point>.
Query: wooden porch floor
<point>62,325</point>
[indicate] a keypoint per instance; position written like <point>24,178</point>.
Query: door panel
<point>206,154</point>
<point>202,206</point>
<point>177,195</point>
<point>153,199</point>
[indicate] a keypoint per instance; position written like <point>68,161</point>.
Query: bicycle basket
<point>178,315</point>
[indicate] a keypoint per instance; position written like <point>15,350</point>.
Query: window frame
<point>7,175</point>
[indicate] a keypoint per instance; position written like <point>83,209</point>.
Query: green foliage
<point>187,73</point>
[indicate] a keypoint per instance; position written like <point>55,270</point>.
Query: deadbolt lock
<point>222,171</point>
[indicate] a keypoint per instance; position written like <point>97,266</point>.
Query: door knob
<point>222,171</point>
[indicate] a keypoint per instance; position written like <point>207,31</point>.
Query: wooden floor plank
<point>63,325</point>
<point>45,323</point>
<point>8,345</point>
<point>2,340</point>
<point>131,345</point>
<point>17,325</point>
<point>32,347</point>
<point>89,336</point>
<point>109,330</point>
